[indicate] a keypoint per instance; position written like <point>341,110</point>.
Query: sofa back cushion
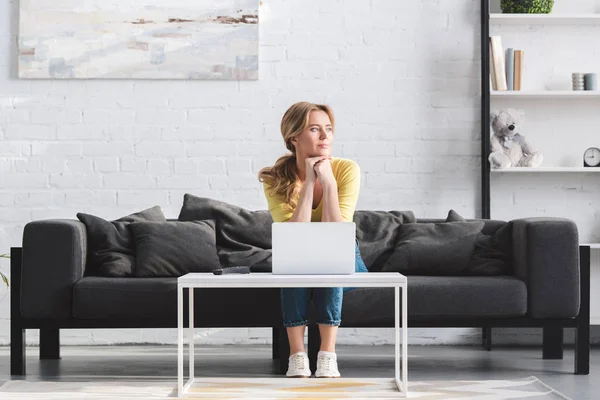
<point>243,237</point>
<point>490,225</point>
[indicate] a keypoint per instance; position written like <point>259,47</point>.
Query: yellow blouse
<point>347,176</point>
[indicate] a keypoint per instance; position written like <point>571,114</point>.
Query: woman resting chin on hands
<point>310,185</point>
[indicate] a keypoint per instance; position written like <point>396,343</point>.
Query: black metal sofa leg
<point>314,344</point>
<point>582,332</point>
<point>275,343</point>
<point>17,350</point>
<point>17,333</point>
<point>486,337</point>
<point>553,343</point>
<point>284,350</point>
<point>49,344</point>
<point>582,350</point>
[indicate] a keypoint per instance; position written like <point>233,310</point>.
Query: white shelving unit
<point>544,19</point>
<point>547,21</point>
<point>528,170</point>
<point>547,94</point>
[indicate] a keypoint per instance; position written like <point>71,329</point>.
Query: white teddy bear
<point>508,147</point>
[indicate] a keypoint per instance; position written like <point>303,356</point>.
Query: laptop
<point>321,248</point>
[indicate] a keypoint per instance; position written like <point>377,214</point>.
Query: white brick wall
<point>401,76</point>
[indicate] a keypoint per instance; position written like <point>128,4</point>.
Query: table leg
<point>179,341</point>
<point>404,339</point>
<point>191,330</point>
<point>396,336</point>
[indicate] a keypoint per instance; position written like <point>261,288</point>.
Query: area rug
<point>283,388</point>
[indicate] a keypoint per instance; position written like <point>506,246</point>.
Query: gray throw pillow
<point>243,236</point>
<point>174,248</point>
<point>453,216</point>
<point>110,246</point>
<point>492,254</point>
<point>439,249</point>
<point>376,232</point>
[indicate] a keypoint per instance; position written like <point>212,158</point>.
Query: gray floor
<point>425,363</point>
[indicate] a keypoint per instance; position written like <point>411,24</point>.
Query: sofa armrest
<point>546,258</point>
<point>54,254</point>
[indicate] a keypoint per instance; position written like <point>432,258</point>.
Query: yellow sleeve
<point>277,207</point>
<point>348,183</point>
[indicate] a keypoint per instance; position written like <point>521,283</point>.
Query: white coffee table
<point>266,280</point>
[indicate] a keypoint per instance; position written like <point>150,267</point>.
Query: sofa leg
<point>275,343</point>
<point>314,344</point>
<point>17,350</point>
<point>49,344</point>
<point>284,350</point>
<point>486,337</point>
<point>17,333</point>
<point>553,343</point>
<point>582,332</point>
<point>582,350</point>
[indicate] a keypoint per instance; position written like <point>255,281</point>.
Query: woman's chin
<point>323,152</point>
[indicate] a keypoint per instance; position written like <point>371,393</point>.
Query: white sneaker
<point>327,365</point>
<point>298,366</point>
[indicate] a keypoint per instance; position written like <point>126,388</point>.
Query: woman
<point>309,185</point>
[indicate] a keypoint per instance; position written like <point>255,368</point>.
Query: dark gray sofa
<point>548,288</point>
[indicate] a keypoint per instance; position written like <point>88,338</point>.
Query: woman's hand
<point>310,164</point>
<point>324,171</point>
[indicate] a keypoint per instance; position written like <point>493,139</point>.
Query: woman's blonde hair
<point>282,177</point>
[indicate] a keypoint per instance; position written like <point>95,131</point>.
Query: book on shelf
<point>498,64</point>
<point>506,67</point>
<point>493,82</point>
<point>510,69</point>
<point>518,69</point>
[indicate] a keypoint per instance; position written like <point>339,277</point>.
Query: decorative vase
<point>526,6</point>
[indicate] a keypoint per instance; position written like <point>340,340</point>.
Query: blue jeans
<point>328,301</point>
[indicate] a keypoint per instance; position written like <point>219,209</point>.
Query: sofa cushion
<point>155,299</point>
<point>453,216</point>
<point>435,249</point>
<point>493,252</point>
<point>110,246</point>
<point>438,297</point>
<point>376,232</point>
<point>174,248</point>
<point>490,225</point>
<point>243,237</point>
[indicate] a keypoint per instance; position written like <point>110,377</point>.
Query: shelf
<point>592,245</point>
<point>547,94</point>
<point>544,19</point>
<point>516,170</point>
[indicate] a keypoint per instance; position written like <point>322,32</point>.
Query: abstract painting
<point>138,39</point>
